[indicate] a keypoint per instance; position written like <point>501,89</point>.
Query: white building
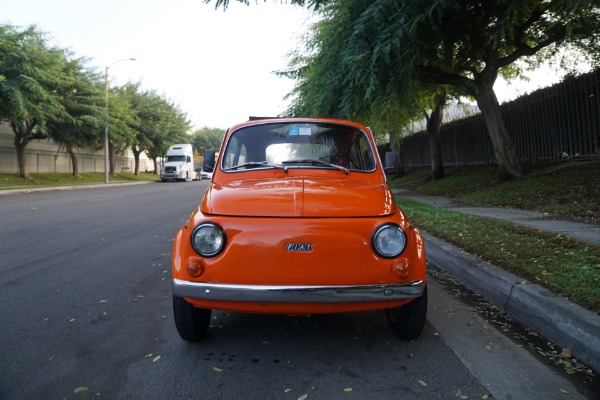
<point>43,155</point>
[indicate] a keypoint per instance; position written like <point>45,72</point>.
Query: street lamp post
<point>106,109</point>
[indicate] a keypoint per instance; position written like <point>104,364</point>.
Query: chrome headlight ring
<point>208,239</point>
<point>388,240</point>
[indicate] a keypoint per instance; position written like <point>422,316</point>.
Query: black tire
<point>407,322</point>
<point>192,323</point>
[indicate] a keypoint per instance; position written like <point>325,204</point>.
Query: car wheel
<point>192,323</point>
<point>407,322</point>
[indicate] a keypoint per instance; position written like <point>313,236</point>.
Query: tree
<point>162,124</point>
<point>147,119</point>
<point>159,122</point>
<point>122,120</point>
<point>468,44</point>
<point>31,71</point>
<point>314,4</point>
<point>207,139</point>
<point>464,45</point>
<point>434,124</point>
<point>333,75</point>
<point>83,99</point>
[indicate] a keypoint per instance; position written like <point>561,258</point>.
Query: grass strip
<point>560,264</point>
<point>13,181</point>
<point>567,189</point>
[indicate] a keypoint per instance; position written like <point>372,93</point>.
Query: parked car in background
<point>205,174</point>
<point>298,219</point>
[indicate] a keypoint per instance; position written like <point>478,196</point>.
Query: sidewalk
<point>559,320</point>
<point>584,232</point>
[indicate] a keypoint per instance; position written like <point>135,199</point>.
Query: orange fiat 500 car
<point>298,219</point>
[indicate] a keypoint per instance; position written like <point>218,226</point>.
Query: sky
<point>216,66</point>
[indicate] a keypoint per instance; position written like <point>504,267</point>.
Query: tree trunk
<point>111,159</point>
<point>74,161</point>
<point>155,161</point>
<point>400,171</point>
<point>434,124</point>
<point>136,156</point>
<point>21,140</point>
<point>137,164</point>
<point>396,145</point>
<point>504,148</point>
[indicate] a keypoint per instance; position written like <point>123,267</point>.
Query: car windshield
<point>175,158</point>
<point>298,145</point>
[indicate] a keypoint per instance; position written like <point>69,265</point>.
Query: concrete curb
<point>74,187</point>
<point>559,320</point>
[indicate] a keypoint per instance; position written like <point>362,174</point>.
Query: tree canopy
<point>33,74</point>
<point>46,90</point>
<point>380,54</point>
<point>207,139</point>
<point>162,124</point>
<point>83,100</point>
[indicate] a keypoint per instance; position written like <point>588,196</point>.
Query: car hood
<point>299,197</point>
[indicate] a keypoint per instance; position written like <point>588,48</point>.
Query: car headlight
<point>208,239</point>
<point>388,240</point>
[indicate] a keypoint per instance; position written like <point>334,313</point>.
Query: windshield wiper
<point>316,162</point>
<point>253,164</point>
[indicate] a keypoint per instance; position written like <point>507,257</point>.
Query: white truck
<point>178,164</point>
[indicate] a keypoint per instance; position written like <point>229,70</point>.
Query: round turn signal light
<point>195,268</point>
<point>401,269</point>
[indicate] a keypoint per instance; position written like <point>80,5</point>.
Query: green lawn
<point>570,190</point>
<point>13,181</point>
<point>563,265</point>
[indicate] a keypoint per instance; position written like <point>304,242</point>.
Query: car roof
<point>268,120</point>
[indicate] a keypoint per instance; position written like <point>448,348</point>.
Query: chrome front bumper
<point>297,294</point>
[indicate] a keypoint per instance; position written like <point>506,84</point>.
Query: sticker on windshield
<point>296,130</point>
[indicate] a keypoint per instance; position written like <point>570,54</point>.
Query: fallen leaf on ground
<point>565,391</point>
<point>81,389</point>
<point>156,359</point>
<point>347,389</point>
<point>566,353</point>
<point>489,346</point>
<point>303,397</point>
<point>422,383</point>
<point>217,369</point>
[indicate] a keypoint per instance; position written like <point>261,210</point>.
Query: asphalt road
<point>86,313</point>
